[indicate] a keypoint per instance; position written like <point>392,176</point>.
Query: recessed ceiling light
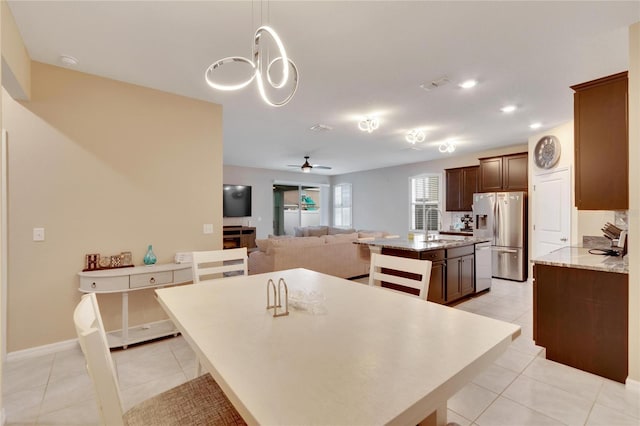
<point>69,61</point>
<point>468,84</point>
<point>507,109</point>
<point>535,125</point>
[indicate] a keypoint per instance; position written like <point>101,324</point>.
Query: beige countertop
<point>440,242</point>
<point>580,258</point>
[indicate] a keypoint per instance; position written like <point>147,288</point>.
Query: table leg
<point>437,418</point>
<point>125,319</point>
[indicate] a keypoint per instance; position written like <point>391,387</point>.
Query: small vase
<point>150,258</point>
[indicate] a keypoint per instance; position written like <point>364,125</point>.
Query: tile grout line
<point>505,388</point>
<point>46,388</point>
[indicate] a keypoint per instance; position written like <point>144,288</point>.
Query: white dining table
<point>352,355</point>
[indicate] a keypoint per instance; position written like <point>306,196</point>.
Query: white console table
<point>124,280</point>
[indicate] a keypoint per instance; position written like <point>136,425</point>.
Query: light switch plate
<point>38,234</point>
<point>207,228</point>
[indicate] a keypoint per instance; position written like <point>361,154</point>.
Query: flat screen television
<point>236,200</point>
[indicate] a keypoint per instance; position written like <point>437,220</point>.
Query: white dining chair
<point>199,401</point>
<point>403,265</point>
<point>216,263</point>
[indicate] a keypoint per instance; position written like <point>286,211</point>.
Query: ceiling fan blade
<point>321,167</point>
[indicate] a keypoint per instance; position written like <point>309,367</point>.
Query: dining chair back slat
<point>382,266</point>
<point>217,263</point>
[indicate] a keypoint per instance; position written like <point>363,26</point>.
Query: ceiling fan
<point>306,167</point>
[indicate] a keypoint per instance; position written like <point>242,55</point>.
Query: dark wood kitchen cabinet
<point>602,143</point>
<point>451,278</point>
<point>460,272</point>
<point>581,317</point>
<point>504,173</point>
<point>461,184</point>
<point>437,282</point>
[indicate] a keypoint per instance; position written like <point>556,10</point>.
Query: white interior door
<point>551,211</point>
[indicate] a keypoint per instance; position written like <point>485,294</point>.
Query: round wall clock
<point>547,152</point>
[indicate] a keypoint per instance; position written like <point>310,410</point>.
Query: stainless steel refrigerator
<point>502,217</point>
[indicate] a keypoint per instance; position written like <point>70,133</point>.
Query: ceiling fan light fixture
<point>306,167</point>
<point>415,136</point>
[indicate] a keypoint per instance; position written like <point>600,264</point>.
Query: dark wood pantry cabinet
<point>602,143</point>
<point>461,184</point>
<point>504,173</point>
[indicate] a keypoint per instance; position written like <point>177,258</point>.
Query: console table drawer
<point>150,279</point>
<point>98,284</point>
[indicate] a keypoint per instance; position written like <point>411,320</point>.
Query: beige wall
<point>2,298</point>
<point>634,202</point>
<point>564,133</point>
<point>104,167</point>
<point>16,63</point>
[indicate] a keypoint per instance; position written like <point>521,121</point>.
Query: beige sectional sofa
<point>333,254</point>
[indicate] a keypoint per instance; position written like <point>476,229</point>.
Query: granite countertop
<point>580,258</point>
<point>457,232</point>
<point>441,242</point>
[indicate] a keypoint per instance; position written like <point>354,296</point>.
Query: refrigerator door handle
<point>496,221</point>
<point>504,250</point>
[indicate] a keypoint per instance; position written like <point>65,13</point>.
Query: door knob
<point>563,240</point>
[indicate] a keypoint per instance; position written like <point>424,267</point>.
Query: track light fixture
<point>447,146</point>
<point>369,124</point>
<point>415,136</point>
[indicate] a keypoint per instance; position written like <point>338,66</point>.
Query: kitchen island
<point>580,310</point>
<point>453,263</point>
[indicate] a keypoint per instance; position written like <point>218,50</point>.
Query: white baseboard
<point>632,384</point>
<point>42,350</point>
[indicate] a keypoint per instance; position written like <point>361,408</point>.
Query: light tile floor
<point>521,388</point>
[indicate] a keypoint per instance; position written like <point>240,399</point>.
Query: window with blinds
<point>425,202</point>
<point>342,205</point>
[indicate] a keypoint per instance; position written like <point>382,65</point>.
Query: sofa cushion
<point>316,231</point>
<point>267,245</point>
<point>298,232</point>
<point>340,238</point>
<point>371,234</point>
<point>336,231</point>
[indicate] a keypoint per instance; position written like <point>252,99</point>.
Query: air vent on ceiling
<point>432,85</point>
<point>320,128</point>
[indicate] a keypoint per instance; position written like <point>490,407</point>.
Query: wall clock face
<point>547,152</point>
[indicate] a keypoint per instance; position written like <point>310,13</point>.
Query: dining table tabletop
<point>346,354</point>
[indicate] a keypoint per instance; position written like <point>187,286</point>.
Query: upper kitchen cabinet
<point>461,184</point>
<point>505,173</point>
<point>601,144</point>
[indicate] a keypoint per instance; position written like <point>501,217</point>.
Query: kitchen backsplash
<point>621,219</point>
